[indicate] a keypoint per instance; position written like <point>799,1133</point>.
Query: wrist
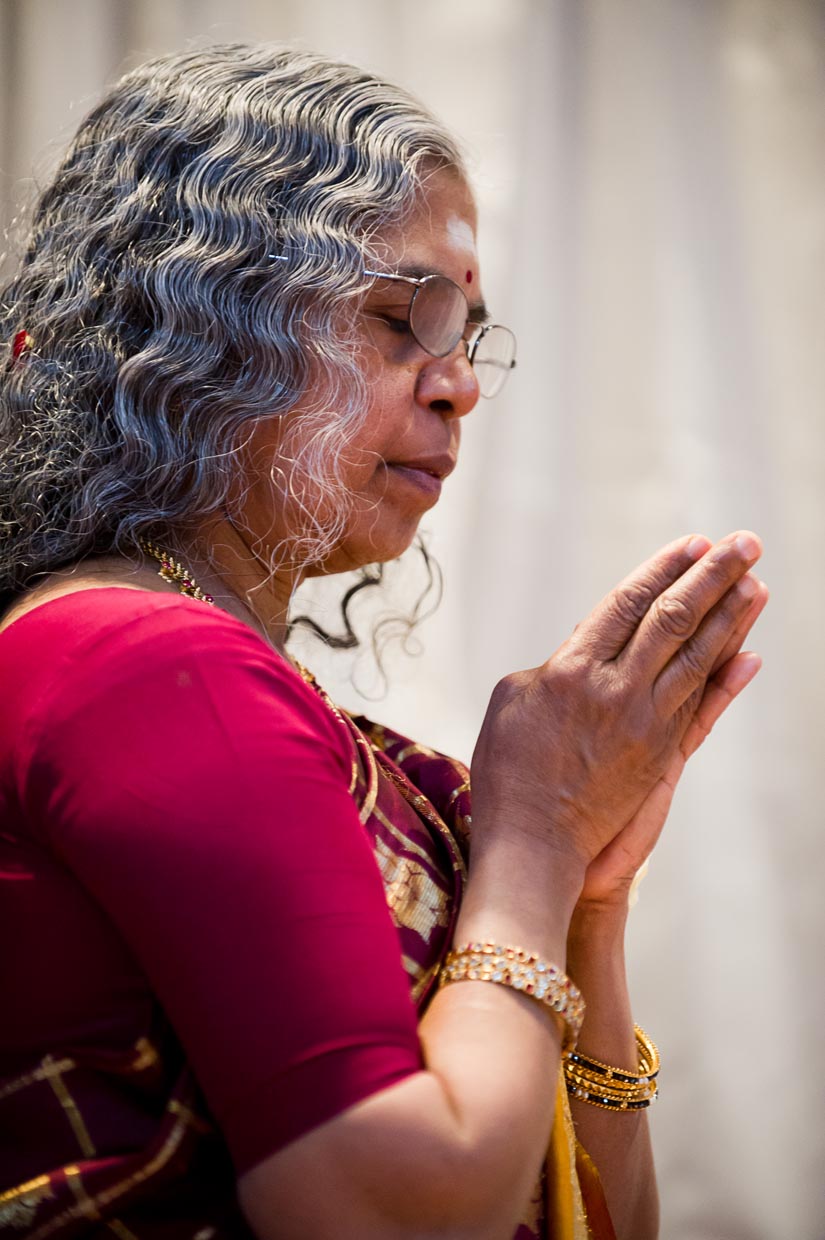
<point>598,923</point>
<point>520,893</point>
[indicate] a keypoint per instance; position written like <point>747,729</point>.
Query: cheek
<point>385,432</point>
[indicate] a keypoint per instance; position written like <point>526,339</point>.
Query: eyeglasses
<point>438,316</point>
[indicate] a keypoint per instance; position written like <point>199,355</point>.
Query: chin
<point>353,554</point>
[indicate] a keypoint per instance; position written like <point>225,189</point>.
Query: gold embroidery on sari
<point>84,1201</point>
<point>456,792</point>
<point>428,812</point>
<point>189,1117</point>
<point>18,1206</point>
<point>363,747</point>
<point>48,1068</point>
<point>413,969</point>
<point>378,735</point>
<point>358,740</point>
<point>417,990</point>
<point>371,795</point>
<point>419,976</point>
<point>416,901</point>
<point>408,750</point>
<point>164,1155</point>
<point>70,1107</point>
<point>120,1229</point>
<point>407,844</point>
<point>146,1055</point>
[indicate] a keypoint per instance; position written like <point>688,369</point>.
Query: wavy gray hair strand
<point>163,327</point>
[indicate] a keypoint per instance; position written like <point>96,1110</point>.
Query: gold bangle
<point>609,1103</point>
<point>523,971</point>
<point>615,1089</point>
<point>649,1062</point>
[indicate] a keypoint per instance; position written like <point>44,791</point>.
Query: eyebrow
<point>478,310</point>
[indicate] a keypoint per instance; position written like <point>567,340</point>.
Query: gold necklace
<point>173,571</point>
<point>178,574</point>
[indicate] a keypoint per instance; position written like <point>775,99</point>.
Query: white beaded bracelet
<point>524,971</point>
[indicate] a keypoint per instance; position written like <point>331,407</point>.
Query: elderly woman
<point>256,977</point>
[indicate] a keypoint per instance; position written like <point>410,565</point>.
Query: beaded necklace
<point>173,571</point>
<point>179,575</point>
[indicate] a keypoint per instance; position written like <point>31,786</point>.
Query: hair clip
<point>22,344</point>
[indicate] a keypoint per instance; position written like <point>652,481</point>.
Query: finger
<point>612,623</point>
<point>718,638</point>
<point>678,612</point>
<point>721,690</point>
<point>744,627</point>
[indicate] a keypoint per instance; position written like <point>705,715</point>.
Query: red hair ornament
<point>22,344</point>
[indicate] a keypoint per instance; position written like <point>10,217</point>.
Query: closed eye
<point>400,326</point>
<point>396,318</point>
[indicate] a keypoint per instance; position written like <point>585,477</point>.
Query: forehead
<point>439,235</point>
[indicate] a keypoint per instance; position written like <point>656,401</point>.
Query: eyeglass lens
<point>438,315</point>
<point>492,357</point>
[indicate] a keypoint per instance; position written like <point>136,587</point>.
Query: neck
<point>238,577</point>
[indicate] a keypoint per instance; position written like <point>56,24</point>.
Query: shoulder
<point>113,626</point>
<point>113,623</point>
<point>118,658</point>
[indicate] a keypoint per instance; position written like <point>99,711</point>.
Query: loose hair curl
<point>164,323</point>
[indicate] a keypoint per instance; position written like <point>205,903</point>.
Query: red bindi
<point>469,277</point>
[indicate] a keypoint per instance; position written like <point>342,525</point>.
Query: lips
<point>424,475</point>
<point>440,466</point>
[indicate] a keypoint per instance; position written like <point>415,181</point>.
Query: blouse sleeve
<point>199,790</point>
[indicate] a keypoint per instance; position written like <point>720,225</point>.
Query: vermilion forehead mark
<point>469,277</point>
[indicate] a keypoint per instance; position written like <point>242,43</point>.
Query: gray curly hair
<point>163,327</point>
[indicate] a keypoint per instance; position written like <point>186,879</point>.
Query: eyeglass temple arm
<point>389,275</point>
<point>375,275</point>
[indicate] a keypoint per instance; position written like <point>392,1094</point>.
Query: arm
<point>454,1151</point>
<point>620,1144</point>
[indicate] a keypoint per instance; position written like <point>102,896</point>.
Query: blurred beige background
<point>652,188</point>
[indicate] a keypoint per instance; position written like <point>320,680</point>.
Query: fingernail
<point>749,664</point>
<point>697,546</point>
<point>748,588</point>
<point>747,546</point>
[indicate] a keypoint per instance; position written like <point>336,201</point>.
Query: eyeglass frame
<point>418,282</point>
<point>477,336</point>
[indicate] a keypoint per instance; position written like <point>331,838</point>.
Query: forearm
<point>453,1151</point>
<point>495,1051</point>
<point>618,1142</point>
<point>492,1052</point>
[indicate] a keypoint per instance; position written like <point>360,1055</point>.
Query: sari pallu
<point>415,806</point>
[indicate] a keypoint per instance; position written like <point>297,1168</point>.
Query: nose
<point>448,385</point>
